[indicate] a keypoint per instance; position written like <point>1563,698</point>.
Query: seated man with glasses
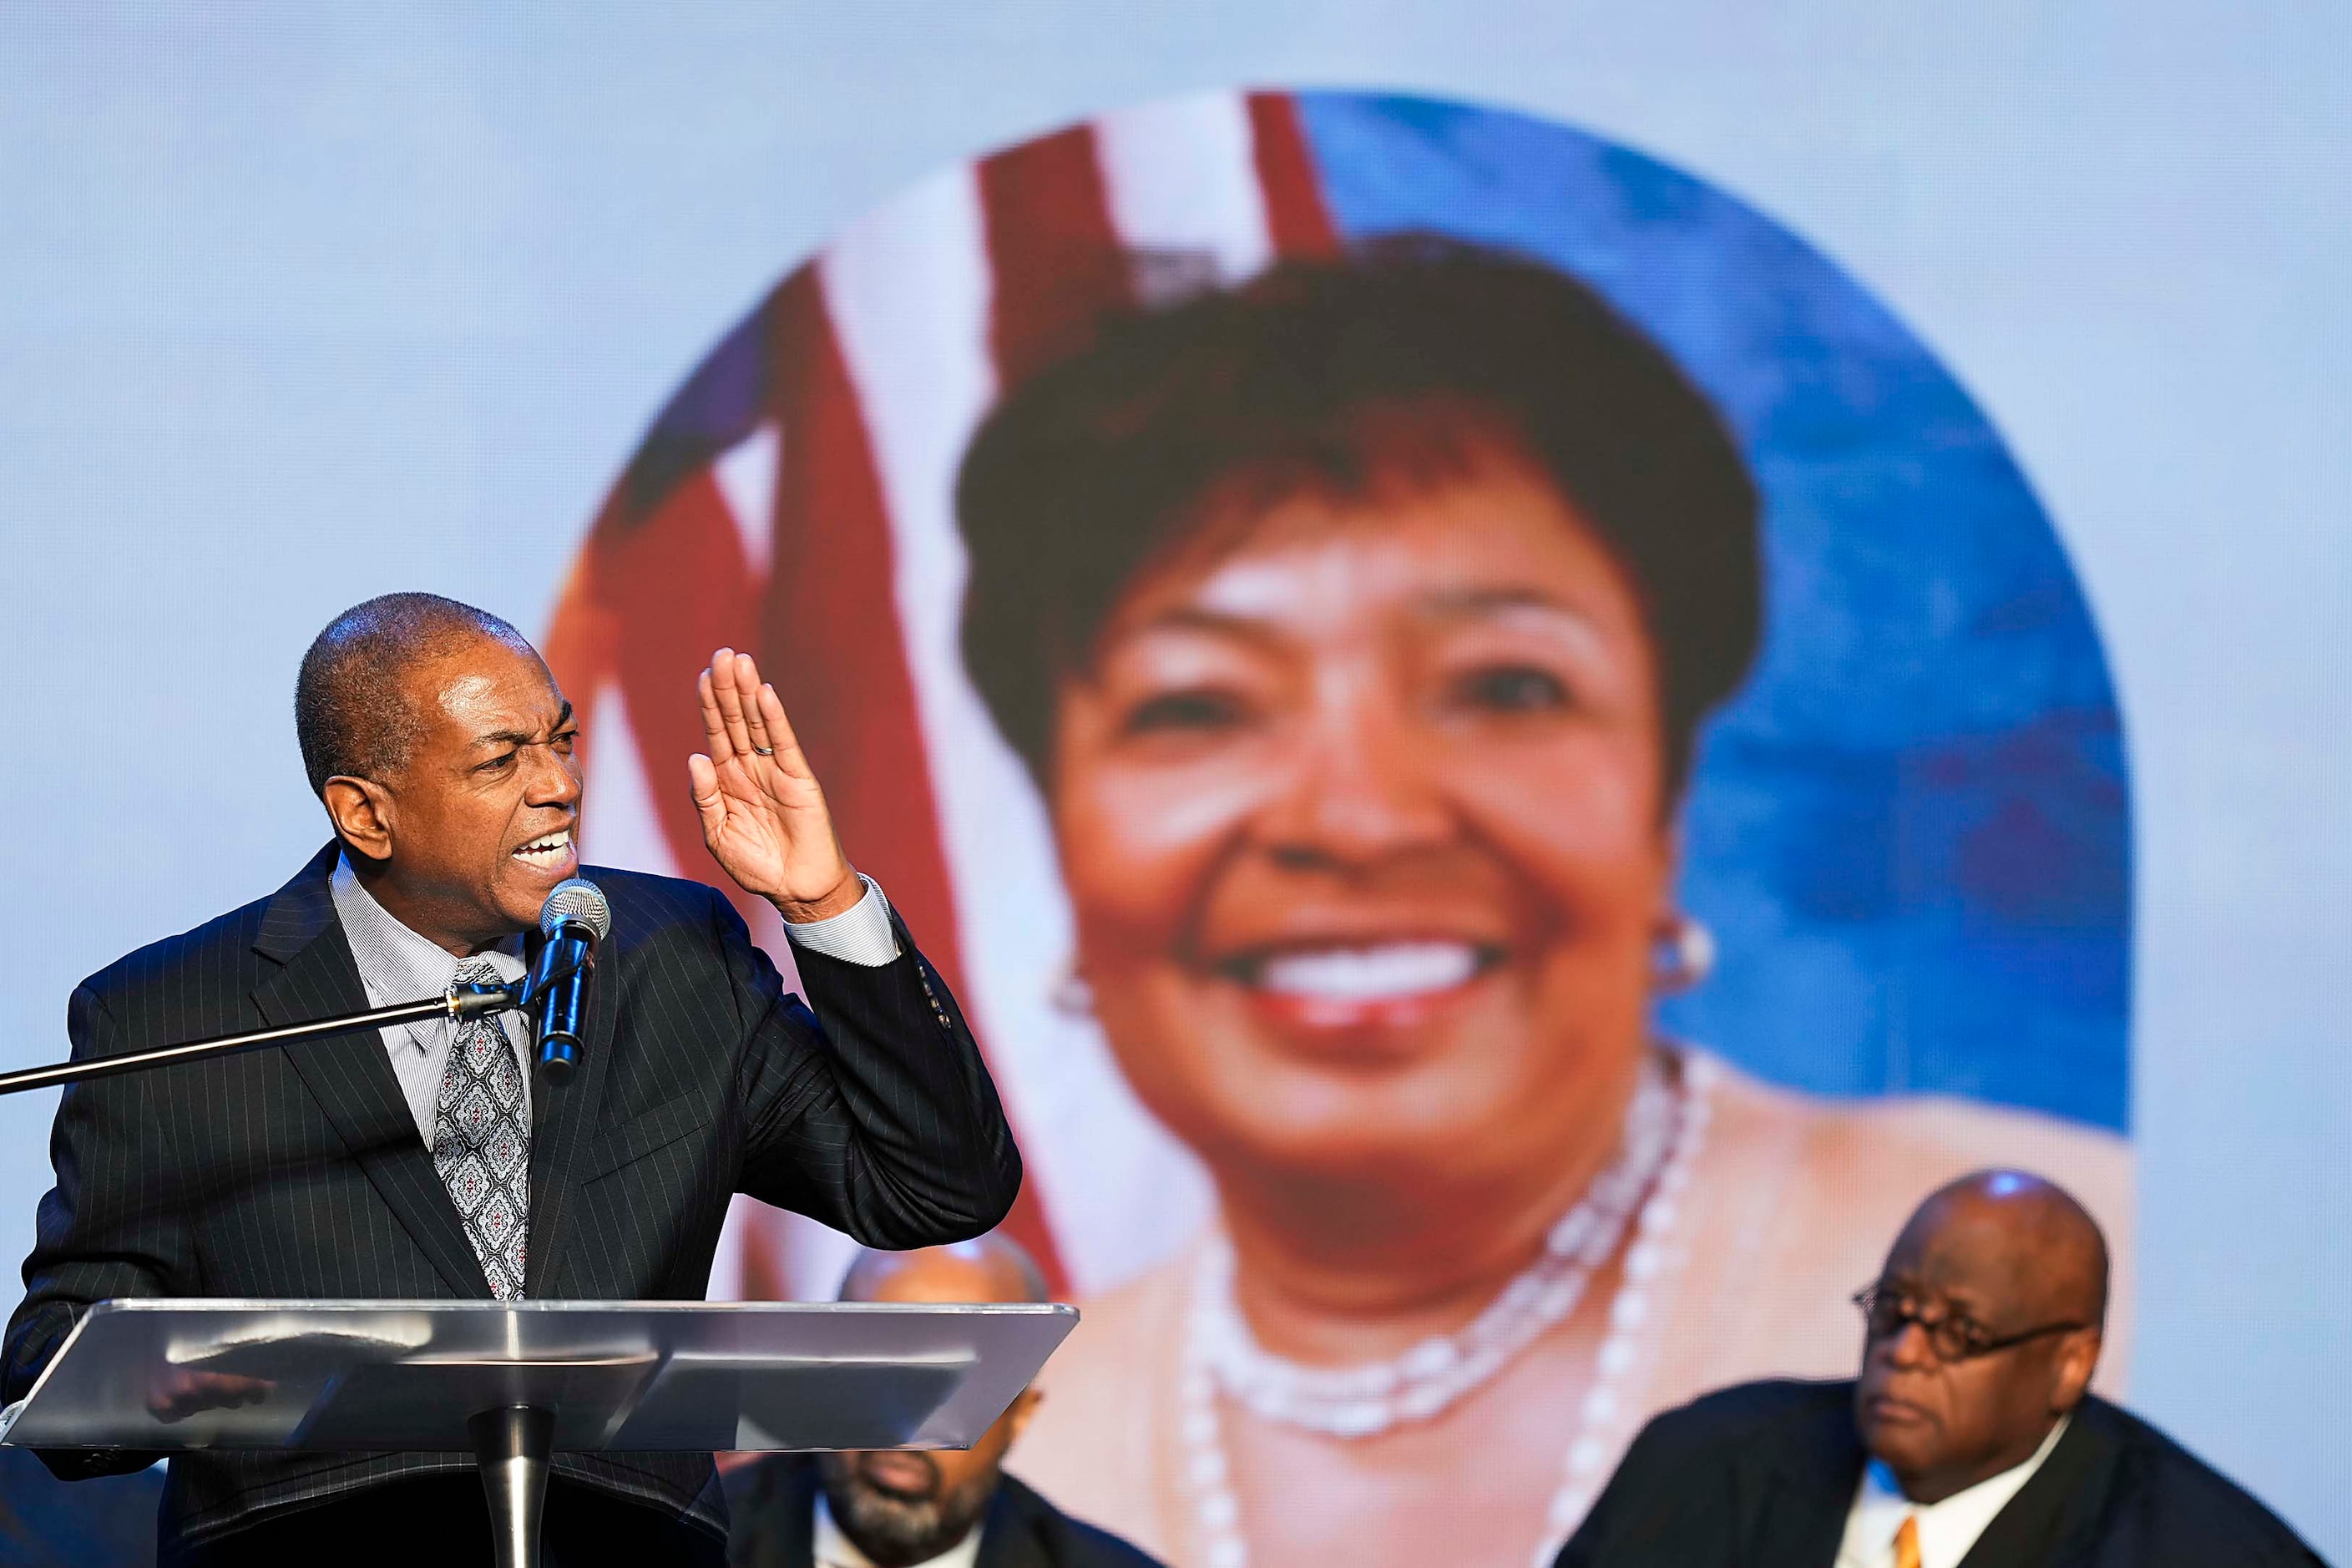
<point>1969,1440</point>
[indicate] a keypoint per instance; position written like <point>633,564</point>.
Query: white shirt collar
<point>1946,1529</point>
<point>834,1549</point>
<point>395,963</point>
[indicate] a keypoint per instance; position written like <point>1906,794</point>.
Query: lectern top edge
<point>349,1304</point>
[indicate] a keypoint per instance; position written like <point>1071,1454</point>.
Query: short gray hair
<point>350,716</point>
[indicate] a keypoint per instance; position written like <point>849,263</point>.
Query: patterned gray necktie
<point>481,1142</point>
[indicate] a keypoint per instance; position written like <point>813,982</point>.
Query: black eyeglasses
<point>1953,1338</point>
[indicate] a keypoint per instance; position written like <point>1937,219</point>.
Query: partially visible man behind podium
<point>426,1163</point>
<point>944,1509</point>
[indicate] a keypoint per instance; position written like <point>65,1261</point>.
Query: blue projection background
<point>1910,833</point>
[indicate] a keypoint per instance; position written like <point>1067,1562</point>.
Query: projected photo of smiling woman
<point>1357,625</point>
<point>1408,818</point>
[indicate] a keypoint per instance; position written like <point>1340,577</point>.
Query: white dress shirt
<point>834,1549</point>
<point>398,966</point>
<point>860,934</point>
<point>1946,1529</point>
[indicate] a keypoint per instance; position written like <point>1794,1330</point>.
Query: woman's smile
<point>1341,996</point>
<point>1363,826</point>
<point>1375,976</point>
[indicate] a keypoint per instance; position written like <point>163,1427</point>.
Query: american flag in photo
<point>795,500</point>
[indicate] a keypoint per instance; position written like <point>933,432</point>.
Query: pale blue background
<point>295,299</point>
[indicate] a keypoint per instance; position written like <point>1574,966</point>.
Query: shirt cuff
<point>860,934</point>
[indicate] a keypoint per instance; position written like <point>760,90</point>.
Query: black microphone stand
<point>458,1002</point>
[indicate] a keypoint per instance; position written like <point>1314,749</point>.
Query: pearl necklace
<point>1428,1378</point>
<point>1663,1133</point>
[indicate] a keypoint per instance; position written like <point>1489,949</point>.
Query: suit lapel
<point>2057,1511</point>
<point>779,1519</point>
<point>562,1120</point>
<point>1008,1530</point>
<point>350,1075</point>
<point>1807,1481</point>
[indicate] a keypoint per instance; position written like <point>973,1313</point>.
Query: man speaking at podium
<point>425,1163</point>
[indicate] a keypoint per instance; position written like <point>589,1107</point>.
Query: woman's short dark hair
<point>1116,455</point>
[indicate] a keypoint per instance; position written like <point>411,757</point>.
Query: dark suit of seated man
<point>937,1509</point>
<point>423,1161</point>
<point>1968,1441</point>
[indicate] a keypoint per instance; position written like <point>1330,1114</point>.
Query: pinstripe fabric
<point>298,1171</point>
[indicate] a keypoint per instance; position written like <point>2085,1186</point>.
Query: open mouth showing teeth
<point>545,851</point>
<point>1385,972</point>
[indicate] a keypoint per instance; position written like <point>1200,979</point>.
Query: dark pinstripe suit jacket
<point>297,1171</point>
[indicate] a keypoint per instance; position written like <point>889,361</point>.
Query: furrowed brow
<point>523,737</point>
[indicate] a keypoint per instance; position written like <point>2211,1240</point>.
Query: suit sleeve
<point>2170,1510</point>
<point>109,1228</point>
<point>874,1113</point>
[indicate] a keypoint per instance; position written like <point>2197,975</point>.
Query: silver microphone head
<point>577,898</point>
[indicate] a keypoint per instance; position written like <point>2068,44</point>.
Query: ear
<point>2078,1358</point>
<point>362,811</point>
<point>1016,1416</point>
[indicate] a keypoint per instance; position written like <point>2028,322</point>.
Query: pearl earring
<point>1683,957</point>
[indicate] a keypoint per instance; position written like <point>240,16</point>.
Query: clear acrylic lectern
<point>513,1382</point>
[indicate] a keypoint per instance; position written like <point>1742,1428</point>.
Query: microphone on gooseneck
<point>575,918</point>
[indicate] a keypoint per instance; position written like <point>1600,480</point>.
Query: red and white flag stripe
<point>822,535</point>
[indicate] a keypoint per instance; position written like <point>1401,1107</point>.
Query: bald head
<point>2023,1240</point>
<point>1983,1331</point>
<point>991,1268</point>
<point>353,715</point>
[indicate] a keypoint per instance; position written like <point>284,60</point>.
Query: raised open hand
<point>763,816</point>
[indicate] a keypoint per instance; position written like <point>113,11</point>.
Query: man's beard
<point>892,1528</point>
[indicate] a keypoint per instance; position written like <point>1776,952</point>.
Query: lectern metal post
<point>513,1444</point>
<point>517,1382</point>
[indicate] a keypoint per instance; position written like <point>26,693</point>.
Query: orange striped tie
<point>1906,1543</point>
